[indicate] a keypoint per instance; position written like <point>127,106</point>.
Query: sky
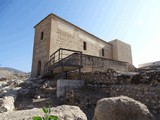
<point>136,22</point>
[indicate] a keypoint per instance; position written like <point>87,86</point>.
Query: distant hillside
<point>11,69</point>
<point>11,73</point>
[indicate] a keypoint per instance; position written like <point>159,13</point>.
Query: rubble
<point>111,77</point>
<point>30,93</point>
<point>8,98</point>
<point>140,85</point>
<point>147,94</point>
<point>10,84</point>
<point>108,76</point>
<point>85,98</point>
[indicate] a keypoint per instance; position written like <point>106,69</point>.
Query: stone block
<point>64,85</point>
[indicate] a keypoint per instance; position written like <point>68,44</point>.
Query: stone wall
<point>108,76</point>
<point>65,35</point>
<point>41,46</point>
<point>100,77</point>
<point>64,85</point>
<point>121,51</point>
<point>147,94</point>
<point>93,63</point>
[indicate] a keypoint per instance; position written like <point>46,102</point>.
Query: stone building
<point>53,33</point>
<point>150,64</point>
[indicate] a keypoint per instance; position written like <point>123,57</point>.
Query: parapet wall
<point>93,63</point>
<point>149,95</point>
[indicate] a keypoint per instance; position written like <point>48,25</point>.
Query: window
<point>102,52</point>
<point>42,34</point>
<point>84,46</point>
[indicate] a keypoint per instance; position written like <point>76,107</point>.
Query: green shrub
<point>46,112</point>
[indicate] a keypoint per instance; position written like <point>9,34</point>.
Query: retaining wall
<point>64,85</point>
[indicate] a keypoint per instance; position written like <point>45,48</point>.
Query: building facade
<point>150,64</point>
<point>54,32</point>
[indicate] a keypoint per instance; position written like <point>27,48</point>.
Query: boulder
<point>64,112</point>
<point>121,108</point>
<point>7,102</point>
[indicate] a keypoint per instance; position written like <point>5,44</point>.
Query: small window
<point>42,34</point>
<point>102,52</point>
<point>84,46</point>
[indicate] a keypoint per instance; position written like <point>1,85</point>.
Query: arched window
<point>39,68</point>
<point>42,35</point>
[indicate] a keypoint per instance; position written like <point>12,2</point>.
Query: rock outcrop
<point>7,102</point>
<point>64,112</point>
<point>121,108</point>
<point>8,94</point>
<point>10,82</point>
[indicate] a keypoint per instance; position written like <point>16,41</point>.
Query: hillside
<point>11,73</point>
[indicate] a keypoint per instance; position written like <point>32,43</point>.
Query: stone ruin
<point>21,96</point>
<point>141,85</point>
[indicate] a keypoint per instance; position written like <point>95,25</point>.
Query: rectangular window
<point>102,52</point>
<point>42,34</point>
<point>84,46</point>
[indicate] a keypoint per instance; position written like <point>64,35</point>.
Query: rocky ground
<point>18,92</point>
<point>10,79</point>
<point>86,98</point>
<point>64,112</point>
<point>37,93</point>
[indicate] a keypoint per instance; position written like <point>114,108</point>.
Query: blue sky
<point>136,22</point>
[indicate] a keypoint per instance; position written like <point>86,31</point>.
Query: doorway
<point>39,68</point>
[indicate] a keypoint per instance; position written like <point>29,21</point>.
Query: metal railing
<point>63,57</point>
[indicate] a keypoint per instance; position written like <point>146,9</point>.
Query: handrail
<point>65,50</point>
<point>54,58</point>
<point>70,50</point>
<point>60,54</point>
<point>55,52</point>
<point>68,56</point>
